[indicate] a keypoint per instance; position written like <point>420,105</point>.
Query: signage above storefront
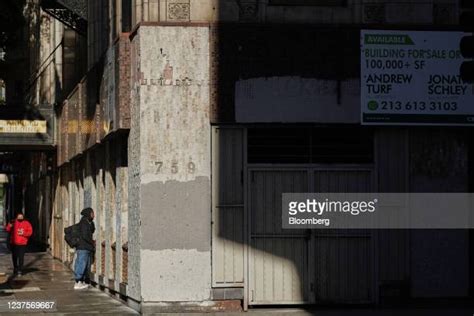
<point>23,126</point>
<point>412,78</point>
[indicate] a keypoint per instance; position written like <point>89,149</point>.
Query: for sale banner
<point>412,78</point>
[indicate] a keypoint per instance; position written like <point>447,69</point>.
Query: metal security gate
<point>343,258</point>
<point>306,266</point>
<point>279,271</point>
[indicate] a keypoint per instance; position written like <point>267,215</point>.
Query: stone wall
<point>174,155</point>
<point>422,12</point>
<point>134,152</point>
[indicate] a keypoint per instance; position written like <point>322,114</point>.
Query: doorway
<point>296,266</point>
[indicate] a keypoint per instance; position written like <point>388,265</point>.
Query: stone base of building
<point>148,308</point>
<point>115,290</point>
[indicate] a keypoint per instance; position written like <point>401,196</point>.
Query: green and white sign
<point>412,78</point>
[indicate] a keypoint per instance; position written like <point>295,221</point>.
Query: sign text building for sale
<point>412,78</point>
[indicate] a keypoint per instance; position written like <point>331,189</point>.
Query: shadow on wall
<point>321,266</point>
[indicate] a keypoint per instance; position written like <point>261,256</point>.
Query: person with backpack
<point>85,247</point>
<point>20,231</point>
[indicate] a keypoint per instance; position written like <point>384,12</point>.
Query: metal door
<point>278,259</point>
<point>343,258</point>
<point>306,266</point>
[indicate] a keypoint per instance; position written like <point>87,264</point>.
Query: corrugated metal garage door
<point>306,266</point>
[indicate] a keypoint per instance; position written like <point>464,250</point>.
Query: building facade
<point>183,121</point>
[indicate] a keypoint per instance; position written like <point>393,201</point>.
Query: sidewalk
<point>48,279</point>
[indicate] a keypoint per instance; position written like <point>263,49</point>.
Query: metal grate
<point>299,145</point>
<point>73,13</point>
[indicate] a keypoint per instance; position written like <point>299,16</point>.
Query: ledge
<point>148,308</point>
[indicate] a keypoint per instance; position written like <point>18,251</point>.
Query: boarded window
<point>310,145</point>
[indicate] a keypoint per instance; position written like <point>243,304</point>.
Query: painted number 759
<point>174,167</point>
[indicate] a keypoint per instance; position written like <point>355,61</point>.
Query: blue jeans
<point>82,265</point>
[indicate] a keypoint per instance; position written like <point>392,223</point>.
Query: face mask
<point>20,219</point>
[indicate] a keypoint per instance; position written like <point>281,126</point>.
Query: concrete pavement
<point>46,278</point>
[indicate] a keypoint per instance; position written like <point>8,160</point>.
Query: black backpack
<point>72,235</point>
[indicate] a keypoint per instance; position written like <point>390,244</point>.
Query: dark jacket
<point>86,229</point>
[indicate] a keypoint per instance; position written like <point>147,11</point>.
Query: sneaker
<point>19,273</point>
<point>83,286</point>
<point>77,285</point>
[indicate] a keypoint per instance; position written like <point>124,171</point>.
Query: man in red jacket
<point>20,230</point>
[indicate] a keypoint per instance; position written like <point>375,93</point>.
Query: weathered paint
<point>295,99</point>
<point>169,138</point>
<point>175,275</point>
<point>174,164</point>
<point>168,212</point>
<point>134,152</point>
